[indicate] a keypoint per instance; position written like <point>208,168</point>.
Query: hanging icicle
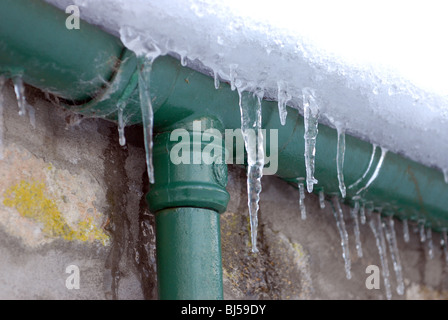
<point>369,210</point>
<point>377,229</point>
<point>340,223</point>
<point>121,125</point>
<point>19,89</point>
<point>302,200</point>
<point>282,98</point>
<point>144,78</point>
<point>406,237</point>
<point>311,117</point>
<point>362,213</point>
<point>233,75</point>
<point>216,79</point>
<point>393,249</point>
<point>429,243</point>
<point>340,153</point>
<point>183,60</point>
<point>354,213</point>
<point>421,228</point>
<point>250,108</point>
<point>322,199</point>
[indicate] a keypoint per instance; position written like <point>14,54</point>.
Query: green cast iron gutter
<point>92,71</point>
<point>55,64</point>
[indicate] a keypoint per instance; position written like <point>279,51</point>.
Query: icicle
<point>216,79</point>
<point>377,229</point>
<point>121,126</point>
<point>406,237</point>
<point>430,243</point>
<point>393,249</point>
<point>282,97</point>
<point>354,213</point>
<point>311,116</point>
<point>376,172</point>
<point>369,209</point>
<point>250,108</point>
<point>183,60</point>
<point>147,112</point>
<point>233,76</point>
<point>19,89</point>
<point>444,244</point>
<point>32,115</point>
<point>421,227</point>
<point>2,83</point>
<point>322,199</point>
<point>339,216</point>
<point>340,159</point>
<point>368,169</point>
<point>445,175</point>
<point>302,200</point>
<point>362,213</point>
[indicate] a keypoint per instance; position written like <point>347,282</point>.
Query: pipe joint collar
<point>190,169</point>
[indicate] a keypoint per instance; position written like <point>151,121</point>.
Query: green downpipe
<point>187,200</point>
<point>188,254</point>
<point>74,64</point>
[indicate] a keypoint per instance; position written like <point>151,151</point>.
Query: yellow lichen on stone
<point>87,231</point>
<point>31,200</point>
<point>298,249</point>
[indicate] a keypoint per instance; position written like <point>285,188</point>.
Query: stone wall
<point>70,195</point>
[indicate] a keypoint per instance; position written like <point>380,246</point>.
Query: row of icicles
<point>24,107</point>
<point>250,111</point>
<point>383,229</point>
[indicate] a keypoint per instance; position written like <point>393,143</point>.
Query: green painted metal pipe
<point>34,43</point>
<point>181,95</point>
<point>189,254</point>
